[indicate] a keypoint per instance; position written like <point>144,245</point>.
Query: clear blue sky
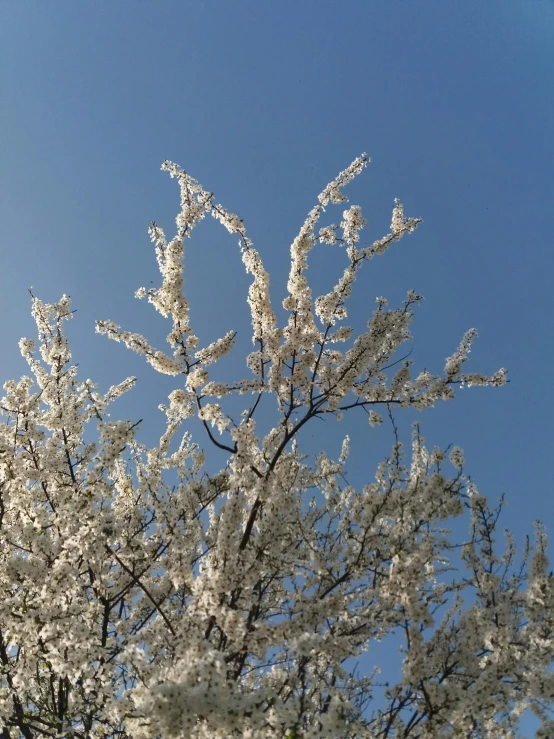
<point>264,103</point>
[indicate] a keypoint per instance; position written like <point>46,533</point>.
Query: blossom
<point>150,590</point>
<point>457,457</point>
<point>374,418</point>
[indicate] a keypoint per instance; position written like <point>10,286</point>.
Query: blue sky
<point>264,103</point>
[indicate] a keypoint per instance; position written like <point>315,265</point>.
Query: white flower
<point>374,418</point>
<point>196,378</point>
<point>162,591</point>
<point>457,457</point>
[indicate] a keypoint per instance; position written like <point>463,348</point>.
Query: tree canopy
<point>143,597</point>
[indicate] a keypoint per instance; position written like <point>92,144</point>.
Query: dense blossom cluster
<point>143,598</point>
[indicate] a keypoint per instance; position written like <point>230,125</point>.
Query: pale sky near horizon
<point>264,103</point>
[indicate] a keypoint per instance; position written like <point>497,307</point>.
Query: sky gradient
<point>264,103</point>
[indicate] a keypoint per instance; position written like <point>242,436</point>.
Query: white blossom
<point>457,457</point>
<point>374,418</point>
<point>146,592</point>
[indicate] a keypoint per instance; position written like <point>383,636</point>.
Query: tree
<point>143,597</point>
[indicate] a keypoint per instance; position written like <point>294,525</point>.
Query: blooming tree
<point>141,597</point>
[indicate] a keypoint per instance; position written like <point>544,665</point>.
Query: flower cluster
<point>143,596</point>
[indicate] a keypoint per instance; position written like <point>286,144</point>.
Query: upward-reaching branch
<point>142,594</point>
